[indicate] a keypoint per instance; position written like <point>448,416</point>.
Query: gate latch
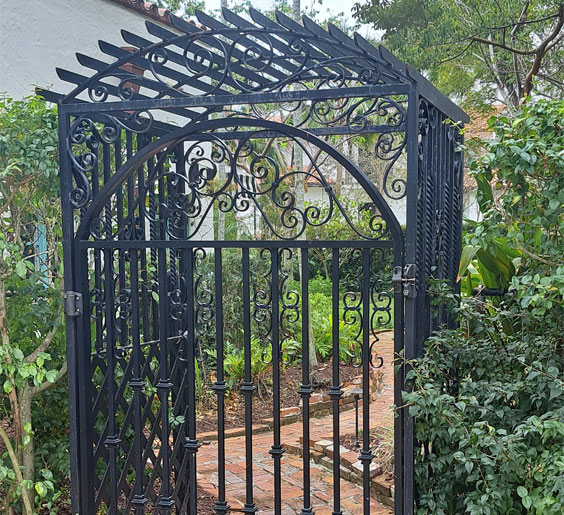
<point>403,280</point>
<point>72,303</point>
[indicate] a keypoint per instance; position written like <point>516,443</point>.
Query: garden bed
<point>290,400</point>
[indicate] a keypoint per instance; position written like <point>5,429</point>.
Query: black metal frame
<point>129,222</point>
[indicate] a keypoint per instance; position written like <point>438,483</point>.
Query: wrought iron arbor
<point>164,137</point>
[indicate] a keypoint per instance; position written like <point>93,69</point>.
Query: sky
<point>331,6</point>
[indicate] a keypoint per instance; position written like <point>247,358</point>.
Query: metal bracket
<point>72,303</point>
<point>403,280</point>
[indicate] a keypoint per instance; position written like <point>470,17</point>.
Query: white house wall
<point>38,36</point>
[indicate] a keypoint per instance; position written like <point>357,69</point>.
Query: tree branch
<point>541,50</point>
<point>16,468</point>
<point>36,390</point>
<point>43,346</point>
<point>491,42</point>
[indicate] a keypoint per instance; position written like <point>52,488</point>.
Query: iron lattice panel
<point>439,214</point>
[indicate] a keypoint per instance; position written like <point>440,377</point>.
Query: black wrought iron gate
<point>170,223</point>
<point>156,302</point>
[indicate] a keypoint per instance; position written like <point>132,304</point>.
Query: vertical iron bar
<point>399,379</point>
<point>137,384</point>
<point>81,480</point>
<point>191,444</point>
<point>220,385</point>
<point>165,501</point>
<point>112,440</point>
<point>336,392</point>
<point>84,370</point>
<point>412,322</point>
<point>98,254</point>
<point>366,453</point>
<point>276,450</point>
<point>305,389</point>
<point>248,388</point>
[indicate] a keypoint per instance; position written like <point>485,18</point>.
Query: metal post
<point>357,392</point>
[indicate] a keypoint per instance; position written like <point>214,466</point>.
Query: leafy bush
<point>490,410</point>
<point>32,354</point>
<point>489,397</point>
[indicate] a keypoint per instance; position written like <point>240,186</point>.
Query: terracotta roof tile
<point>153,11</point>
<point>147,9</point>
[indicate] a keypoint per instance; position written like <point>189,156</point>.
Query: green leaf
<point>8,386</point>
<point>468,253</point>
<point>522,491</point>
<point>21,269</point>
<point>40,489</point>
<point>51,376</point>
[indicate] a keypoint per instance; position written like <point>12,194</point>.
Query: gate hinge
<point>403,280</point>
<point>73,303</point>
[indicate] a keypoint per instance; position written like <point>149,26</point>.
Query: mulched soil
<point>205,502</point>
<point>381,443</point>
<point>290,380</point>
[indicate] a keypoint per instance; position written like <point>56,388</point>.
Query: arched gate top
<point>193,198</point>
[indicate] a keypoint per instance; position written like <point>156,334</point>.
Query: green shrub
<point>489,398</point>
<point>490,416</point>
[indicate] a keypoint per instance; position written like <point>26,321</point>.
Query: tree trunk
<point>300,201</point>
<point>5,338</point>
<point>28,506</point>
<point>27,450</point>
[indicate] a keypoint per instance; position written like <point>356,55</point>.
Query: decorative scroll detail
<point>354,114</point>
<point>204,314</point>
<point>389,149</point>
<point>290,301</point>
<point>262,306</point>
<point>380,304</point>
<point>181,189</point>
<point>83,142</point>
<point>352,313</point>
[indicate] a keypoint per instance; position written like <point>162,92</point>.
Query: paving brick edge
<point>320,406</point>
<point>321,452</point>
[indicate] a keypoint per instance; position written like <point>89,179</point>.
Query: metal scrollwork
<point>389,149</point>
<point>352,312</point>
<point>380,304</point>
<point>204,303</point>
<point>356,114</point>
<point>83,142</point>
<point>246,179</point>
<point>289,300</point>
<point>262,306</point>
<point>238,60</point>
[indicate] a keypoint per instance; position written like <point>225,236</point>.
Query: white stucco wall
<point>317,195</point>
<point>38,36</point>
<point>470,209</point>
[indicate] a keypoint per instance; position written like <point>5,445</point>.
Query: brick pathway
<point>292,475</point>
